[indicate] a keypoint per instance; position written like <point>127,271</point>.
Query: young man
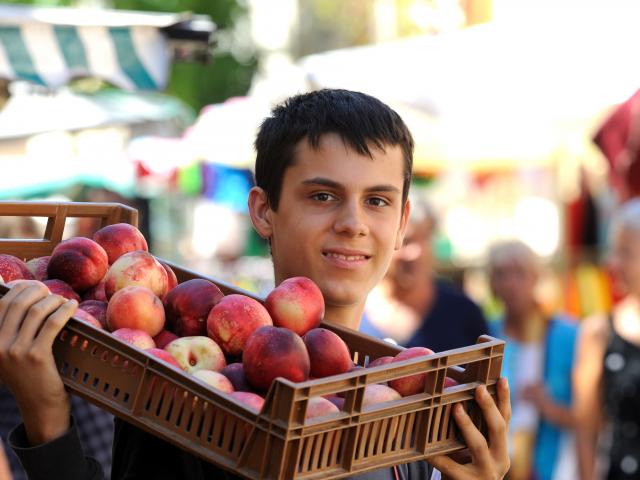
<point>332,170</point>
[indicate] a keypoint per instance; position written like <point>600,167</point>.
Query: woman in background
<point>607,376</point>
<point>538,362</point>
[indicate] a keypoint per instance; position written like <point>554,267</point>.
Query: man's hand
<point>490,460</point>
<point>30,320</point>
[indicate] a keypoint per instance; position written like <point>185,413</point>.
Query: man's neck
<point>347,316</point>
<point>525,325</point>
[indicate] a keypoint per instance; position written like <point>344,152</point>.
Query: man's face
<point>513,281</point>
<point>339,219</point>
<point>415,258</point>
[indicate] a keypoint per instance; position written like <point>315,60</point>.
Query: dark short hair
<point>356,117</point>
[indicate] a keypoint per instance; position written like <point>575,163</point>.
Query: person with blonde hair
<point>607,375</point>
<point>538,362</point>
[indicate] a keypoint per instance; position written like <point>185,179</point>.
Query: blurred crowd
<point>573,381</point>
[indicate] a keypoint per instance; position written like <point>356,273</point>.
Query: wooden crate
<point>277,443</point>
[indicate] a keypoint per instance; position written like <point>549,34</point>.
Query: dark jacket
<point>139,455</point>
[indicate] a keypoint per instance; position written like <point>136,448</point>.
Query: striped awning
<point>50,46</point>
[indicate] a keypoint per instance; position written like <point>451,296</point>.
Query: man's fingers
<point>6,300</point>
<point>18,306</point>
<point>496,423</point>
<point>448,467</point>
<point>475,441</point>
<point>504,400</point>
<point>36,317</point>
<point>55,322</point>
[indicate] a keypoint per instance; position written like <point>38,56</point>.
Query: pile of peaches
<point>232,343</point>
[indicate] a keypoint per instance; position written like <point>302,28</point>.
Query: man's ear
<point>403,225</point>
<point>260,212</point>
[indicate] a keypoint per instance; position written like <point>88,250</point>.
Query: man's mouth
<point>348,258</point>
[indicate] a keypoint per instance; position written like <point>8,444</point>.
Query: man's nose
<point>351,220</point>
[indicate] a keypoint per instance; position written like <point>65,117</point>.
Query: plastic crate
<point>277,443</point>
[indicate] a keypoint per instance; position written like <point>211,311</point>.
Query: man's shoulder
<point>454,297</point>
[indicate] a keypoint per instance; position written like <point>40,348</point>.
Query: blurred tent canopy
<point>68,139</point>
<point>495,95</point>
<point>53,137</point>
<point>132,50</point>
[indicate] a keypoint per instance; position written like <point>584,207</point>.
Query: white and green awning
<point>50,46</point>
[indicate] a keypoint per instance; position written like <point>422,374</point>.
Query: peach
<point>96,293</point>
<point>380,361</point>
<point>38,267</point>
<point>251,400</point>
<point>137,268</point>
<point>215,380</point>
<point>135,337</point>
<point>172,280</point>
<point>450,382</point>
<point>296,304</point>
<point>377,393</point>
<point>164,356</point>
<point>164,338</point>
<point>97,309</point>
<point>328,353</point>
<point>235,373</point>
<point>233,320</point>
<point>88,318</point>
<point>272,352</point>
<point>120,238</point>
<point>18,281</point>
<point>135,307</point>
<point>59,287</point>
<point>411,384</point>
<point>337,401</point>
<point>188,305</point>
<point>12,268</point>
<point>197,353</point>
<point>320,407</point>
<point>80,262</point>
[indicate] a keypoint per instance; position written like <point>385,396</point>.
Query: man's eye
<point>322,196</point>
<point>378,202</point>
